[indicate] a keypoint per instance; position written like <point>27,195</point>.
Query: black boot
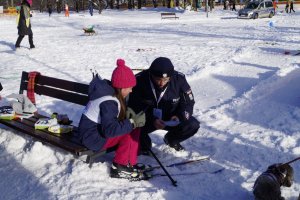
<point>175,145</point>
<point>31,41</point>
<point>19,40</point>
<point>127,172</point>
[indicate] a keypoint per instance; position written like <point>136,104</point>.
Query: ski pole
<point>193,173</point>
<point>291,161</point>
<point>179,163</point>
<point>166,172</point>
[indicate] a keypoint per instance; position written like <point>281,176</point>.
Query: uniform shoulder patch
<point>189,93</point>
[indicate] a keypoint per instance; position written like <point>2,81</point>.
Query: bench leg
<point>93,156</point>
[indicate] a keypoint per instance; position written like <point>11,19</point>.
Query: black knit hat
<point>162,67</point>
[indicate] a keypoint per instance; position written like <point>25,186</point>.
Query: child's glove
<point>138,120</point>
<point>130,113</point>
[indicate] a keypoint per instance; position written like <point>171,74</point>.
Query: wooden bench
<point>168,15</point>
<point>61,89</point>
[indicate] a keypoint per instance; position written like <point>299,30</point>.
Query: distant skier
<point>267,185</point>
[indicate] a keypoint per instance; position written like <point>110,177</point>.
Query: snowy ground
<point>247,95</point>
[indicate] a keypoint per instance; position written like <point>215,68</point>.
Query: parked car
<point>257,9</point>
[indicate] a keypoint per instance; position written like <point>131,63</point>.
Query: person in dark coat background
<point>168,101</point>
<point>24,25</point>
<point>105,123</point>
<point>0,89</point>
<point>49,6</point>
<point>91,7</point>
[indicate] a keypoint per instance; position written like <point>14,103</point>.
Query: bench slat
<point>57,83</point>
<point>45,137</point>
<point>61,94</point>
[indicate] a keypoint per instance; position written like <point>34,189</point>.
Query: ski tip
<point>218,171</point>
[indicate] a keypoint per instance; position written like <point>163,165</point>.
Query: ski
<point>293,53</point>
<point>151,168</point>
<point>192,173</point>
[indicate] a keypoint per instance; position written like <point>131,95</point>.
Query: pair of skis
<point>205,158</point>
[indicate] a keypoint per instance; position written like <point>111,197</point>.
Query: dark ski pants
<point>177,134</point>
<point>20,38</point>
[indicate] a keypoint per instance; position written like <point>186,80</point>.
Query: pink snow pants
<point>127,147</point>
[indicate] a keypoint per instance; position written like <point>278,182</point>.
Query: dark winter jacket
<point>178,98</point>
<point>99,120</point>
<point>1,87</point>
<point>23,28</point>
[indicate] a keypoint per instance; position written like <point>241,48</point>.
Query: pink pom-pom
<point>120,63</point>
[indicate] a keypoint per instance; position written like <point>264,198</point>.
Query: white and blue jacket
<point>99,120</point>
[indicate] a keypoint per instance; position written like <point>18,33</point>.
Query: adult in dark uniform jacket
<point>24,25</point>
<point>164,95</point>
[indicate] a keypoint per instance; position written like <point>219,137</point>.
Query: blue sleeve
<point>111,126</point>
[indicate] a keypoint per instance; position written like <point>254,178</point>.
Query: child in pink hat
<point>30,2</point>
<point>106,122</point>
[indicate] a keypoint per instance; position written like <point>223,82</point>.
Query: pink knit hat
<point>30,2</point>
<point>122,76</point>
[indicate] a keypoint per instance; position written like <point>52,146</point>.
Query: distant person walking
<point>67,13</point>
<point>0,89</point>
<point>77,6</point>
<point>91,7</point>
<point>49,6</point>
<point>233,5</point>
<point>287,6</point>
<point>58,6</point>
<point>292,6</point>
<point>24,25</point>
<point>275,5</point>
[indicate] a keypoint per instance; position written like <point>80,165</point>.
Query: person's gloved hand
<point>130,113</point>
<point>138,120</point>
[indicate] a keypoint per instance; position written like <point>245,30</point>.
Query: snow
<point>246,90</point>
